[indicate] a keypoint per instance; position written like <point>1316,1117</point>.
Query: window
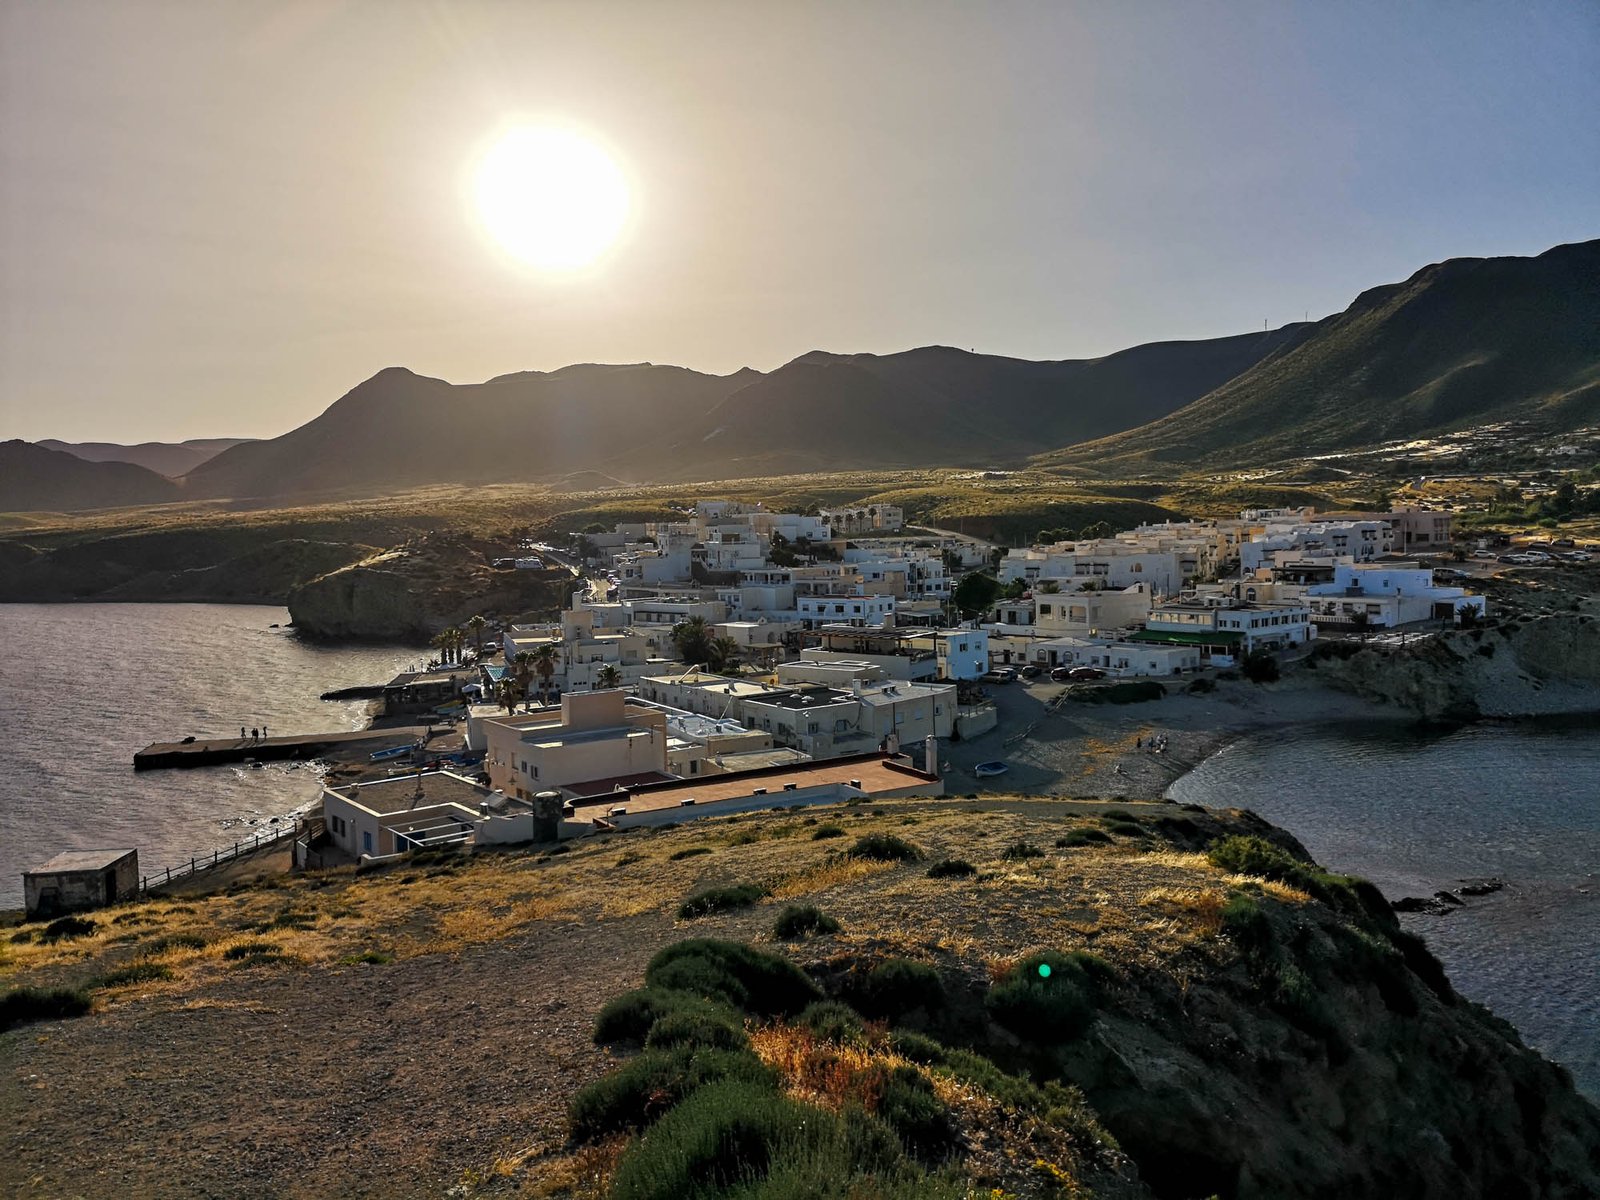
<point>366,841</point>
<point>1044,610</point>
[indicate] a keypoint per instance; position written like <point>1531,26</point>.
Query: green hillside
<point>1466,342</point>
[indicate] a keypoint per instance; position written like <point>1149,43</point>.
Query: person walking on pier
<point>255,734</point>
<point>241,733</point>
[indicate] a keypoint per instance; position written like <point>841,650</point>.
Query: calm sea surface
<point>83,686</point>
<point>1417,813</point>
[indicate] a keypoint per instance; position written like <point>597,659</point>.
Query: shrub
<point>21,1005</point>
<point>710,1029</point>
<point>1199,687</point>
<point>1017,851</point>
<point>733,973</point>
<point>177,941</point>
<point>690,852</point>
<point>823,832</point>
<point>885,847</point>
<point>798,920</point>
<point>907,1105</point>
<point>1047,998</point>
<point>251,950</point>
<point>630,1017</point>
<point>898,986</point>
<point>731,1138</point>
<point>644,1088</point>
<point>1244,921</point>
<point>1086,835</point>
<point>135,972</point>
<point>1126,828</point>
<point>833,1021</point>
<point>68,927</point>
<point>1260,666</point>
<point>720,899</point>
<point>1118,693</point>
<point>951,868</point>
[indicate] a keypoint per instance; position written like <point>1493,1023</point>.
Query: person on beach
<point>255,735</point>
<point>241,733</point>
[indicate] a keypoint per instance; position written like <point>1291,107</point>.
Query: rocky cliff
<point>1534,666</point>
<point>415,591</point>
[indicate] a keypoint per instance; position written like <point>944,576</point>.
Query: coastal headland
<point>1243,1022</point>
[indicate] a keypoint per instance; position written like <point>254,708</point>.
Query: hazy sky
<point>216,218</point>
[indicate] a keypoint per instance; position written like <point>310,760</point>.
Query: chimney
<point>930,752</point>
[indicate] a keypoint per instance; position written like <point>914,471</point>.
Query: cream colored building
<point>589,737</point>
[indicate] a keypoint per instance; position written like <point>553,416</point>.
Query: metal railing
<point>218,857</point>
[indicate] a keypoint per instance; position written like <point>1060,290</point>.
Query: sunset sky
<point>215,218</point>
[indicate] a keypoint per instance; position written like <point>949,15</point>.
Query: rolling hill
<point>164,458</point>
<point>1468,341</point>
<point>932,406</point>
<point>34,478</point>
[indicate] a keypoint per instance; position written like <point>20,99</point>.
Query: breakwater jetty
<point>214,751</point>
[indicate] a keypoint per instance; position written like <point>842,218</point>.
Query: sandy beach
<point>1078,749</point>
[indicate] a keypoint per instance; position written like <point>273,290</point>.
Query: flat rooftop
<point>80,860</point>
<point>404,792</point>
<point>804,698</point>
<point>877,773</point>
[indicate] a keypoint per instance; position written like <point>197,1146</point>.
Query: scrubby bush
<point>799,920</point>
<point>711,1029</point>
<point>907,1105</point>
<point>177,941</point>
<point>823,832</point>
<point>951,868</point>
<point>1260,666</point>
<point>21,1005</point>
<point>1126,828</point>
<point>898,986</point>
<point>1017,851</point>
<point>135,972</point>
<point>1244,921</point>
<point>1118,693</point>
<point>885,847</point>
<point>720,899</point>
<point>1199,687</point>
<point>1257,856</point>
<point>733,1137</point>
<point>66,928</point>
<point>833,1021</point>
<point>1086,835</point>
<point>1047,998</point>
<point>629,1017</point>
<point>644,1088</point>
<point>753,980</point>
<point>690,852</point>
<point>252,950</point>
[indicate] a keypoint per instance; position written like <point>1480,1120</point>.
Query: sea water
<point>84,686</point>
<point>1418,812</point>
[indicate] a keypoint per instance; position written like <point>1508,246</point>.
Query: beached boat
<point>391,752</point>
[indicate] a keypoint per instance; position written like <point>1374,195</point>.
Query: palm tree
<point>453,639</point>
<point>475,626</point>
<point>608,677</point>
<point>693,640</point>
<point>508,693</point>
<point>544,662</point>
<point>522,668</point>
<point>724,654</point>
<point>441,643</point>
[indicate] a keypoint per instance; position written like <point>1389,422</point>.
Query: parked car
<point>1060,674</point>
<point>1086,673</point>
<point>1000,675</point>
<point>1483,554</point>
<point>1032,671</point>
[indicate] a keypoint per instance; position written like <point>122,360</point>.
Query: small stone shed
<point>78,879</point>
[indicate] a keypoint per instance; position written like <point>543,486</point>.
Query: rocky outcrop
<point>1540,666</point>
<point>411,593</point>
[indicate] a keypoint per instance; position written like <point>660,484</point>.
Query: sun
<point>551,197</point>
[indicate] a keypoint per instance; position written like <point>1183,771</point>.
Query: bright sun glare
<point>552,198</point>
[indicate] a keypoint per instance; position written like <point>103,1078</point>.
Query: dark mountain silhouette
<point>37,479</point>
<point>1468,341</point>
<point>400,430</point>
<point>937,406</point>
<point>932,406</point>
<point>164,458</point>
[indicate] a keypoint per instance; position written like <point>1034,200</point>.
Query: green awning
<point>1173,637</point>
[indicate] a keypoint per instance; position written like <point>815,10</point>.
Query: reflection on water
<point>86,685</point>
<point>1417,812</point>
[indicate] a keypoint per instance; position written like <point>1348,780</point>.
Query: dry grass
<point>1201,905</point>
<point>831,872</point>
